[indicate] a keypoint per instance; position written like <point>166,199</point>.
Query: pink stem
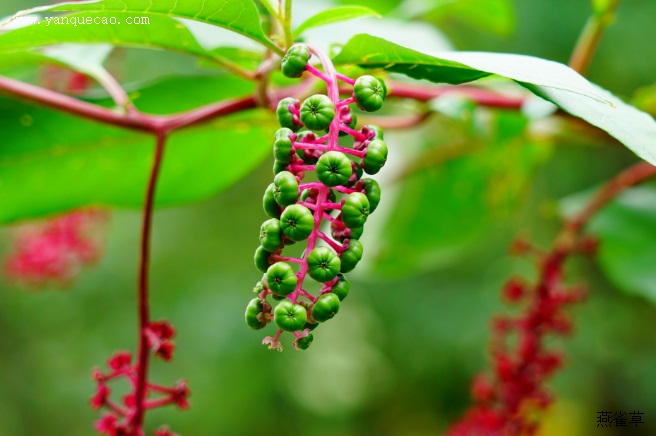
<point>354,133</point>
<point>317,73</point>
<point>344,78</point>
<point>144,310</point>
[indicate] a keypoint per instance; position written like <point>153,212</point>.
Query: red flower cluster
<point>516,384</point>
<point>57,249</point>
<point>119,420</point>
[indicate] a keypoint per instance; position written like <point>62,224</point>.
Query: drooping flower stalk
<point>299,210</point>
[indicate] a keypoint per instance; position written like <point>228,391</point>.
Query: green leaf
<point>240,16</point>
<point>627,236</point>
<point>550,80</point>
<point>52,162</point>
<point>333,15</point>
<point>494,16</point>
<point>457,194</point>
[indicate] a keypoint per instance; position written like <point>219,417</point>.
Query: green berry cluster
<point>340,198</point>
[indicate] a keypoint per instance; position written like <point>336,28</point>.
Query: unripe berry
<point>285,116</point>
<point>334,168</point>
<point>342,287</point>
<point>297,222</point>
<point>376,156</point>
<point>323,264</point>
<point>271,235</point>
<point>269,203</point>
<point>325,307</point>
<point>281,278</point>
<point>261,259</point>
<point>372,191</point>
<point>295,60</point>
<point>253,310</point>
<point>369,93</point>
<point>285,188</point>
<point>290,317</point>
<point>282,147</point>
<point>355,210</point>
<point>304,343</point>
<point>351,256</point>
<point>317,112</point>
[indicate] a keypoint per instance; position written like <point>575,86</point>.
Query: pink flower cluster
<point>118,420</point>
<point>54,251</point>
<point>505,398</point>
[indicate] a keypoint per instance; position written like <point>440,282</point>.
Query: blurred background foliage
<point>399,357</point>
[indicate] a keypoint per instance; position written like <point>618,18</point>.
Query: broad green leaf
<point>550,80</point>
<point>340,13</point>
<point>46,168</point>
<point>493,16</point>
<point>162,33</point>
<point>627,235</point>
<point>240,16</point>
<point>448,205</point>
<point>87,59</point>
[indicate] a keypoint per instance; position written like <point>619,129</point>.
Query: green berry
<point>372,191</point>
<point>281,278</point>
<point>269,203</point>
<point>325,307</point>
<point>342,287</point>
<point>310,326</point>
<point>369,93</point>
<point>285,188</point>
<point>279,167</point>
<point>259,287</point>
<point>323,264</point>
<point>295,61</point>
<point>334,168</point>
<point>290,317</point>
<point>304,343</point>
<point>375,157</point>
<point>351,256</point>
<point>271,235</point>
<point>317,112</point>
<point>282,147</point>
<point>262,259</point>
<point>297,222</point>
<point>285,117</point>
<point>253,310</point>
<point>355,210</point>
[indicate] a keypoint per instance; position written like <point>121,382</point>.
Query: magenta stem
<point>344,78</point>
<point>143,295</point>
<point>312,70</point>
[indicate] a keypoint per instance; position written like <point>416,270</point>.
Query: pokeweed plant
<point>326,214</point>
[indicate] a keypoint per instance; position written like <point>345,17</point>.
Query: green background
<point>398,358</point>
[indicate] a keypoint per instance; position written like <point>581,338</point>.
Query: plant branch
<point>631,176</point>
<point>591,36</point>
<point>481,96</point>
<point>143,296</point>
